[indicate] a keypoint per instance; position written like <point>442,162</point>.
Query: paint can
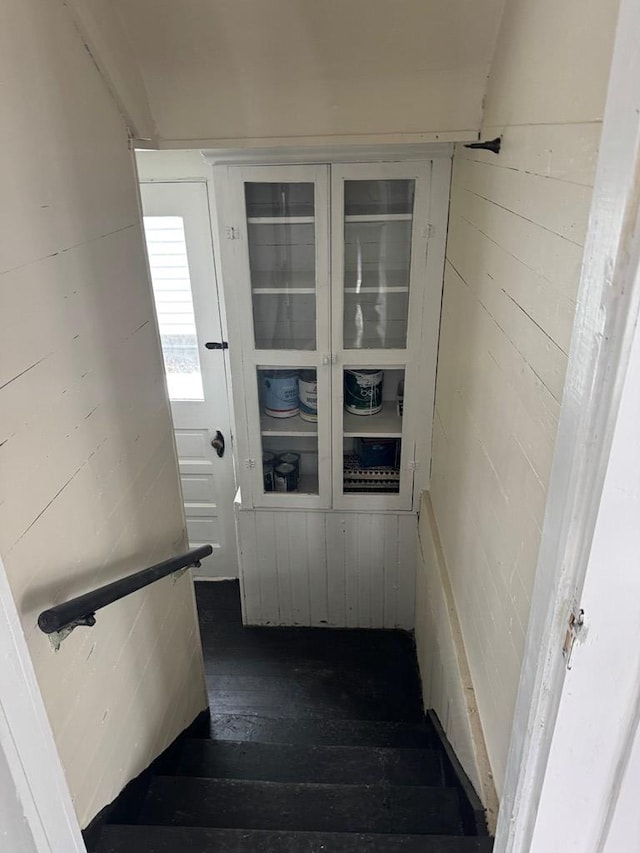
<point>363,391</point>
<point>308,395</point>
<point>285,477</point>
<point>291,458</point>
<point>279,391</point>
<point>268,465</point>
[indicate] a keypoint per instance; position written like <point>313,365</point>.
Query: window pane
<point>282,258</point>
<point>372,418</point>
<point>377,263</point>
<point>169,265</point>
<point>289,429</point>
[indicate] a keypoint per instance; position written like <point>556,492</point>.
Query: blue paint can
<point>279,392</point>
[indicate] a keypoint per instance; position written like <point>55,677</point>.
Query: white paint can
<point>308,395</point>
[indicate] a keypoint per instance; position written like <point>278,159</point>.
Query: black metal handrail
<point>82,609</point>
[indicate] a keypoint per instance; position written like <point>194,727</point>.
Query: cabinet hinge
<point>231,232</point>
<point>249,463</point>
<point>428,231</point>
<point>575,624</point>
<point>413,465</point>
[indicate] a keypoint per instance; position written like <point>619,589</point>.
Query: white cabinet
<point>332,277</point>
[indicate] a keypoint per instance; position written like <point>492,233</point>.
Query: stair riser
<point>182,801</point>
<point>286,763</point>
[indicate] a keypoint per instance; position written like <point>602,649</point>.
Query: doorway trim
<point>27,741</point>
<point>606,318</point>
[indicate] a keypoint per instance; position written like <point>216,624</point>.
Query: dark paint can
<point>291,458</point>
<point>285,477</point>
<point>268,464</point>
<point>363,391</point>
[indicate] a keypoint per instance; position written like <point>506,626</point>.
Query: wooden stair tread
<point>319,731</point>
<point>180,839</point>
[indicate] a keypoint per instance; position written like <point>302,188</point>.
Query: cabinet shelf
<point>290,281</point>
<point>386,424</point>
<point>380,217</point>
<point>281,220</point>
<point>294,291</point>
<point>376,290</point>
<point>294,426</point>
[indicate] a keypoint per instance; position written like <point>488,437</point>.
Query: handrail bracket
<point>56,638</point>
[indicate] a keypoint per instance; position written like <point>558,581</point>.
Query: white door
<point>179,244</point>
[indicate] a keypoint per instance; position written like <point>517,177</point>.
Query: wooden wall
<point>337,569</point>
<point>516,232</point>
<point>88,478</point>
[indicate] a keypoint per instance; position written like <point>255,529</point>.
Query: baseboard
<point>474,816</point>
<point>125,807</point>
<point>444,670</point>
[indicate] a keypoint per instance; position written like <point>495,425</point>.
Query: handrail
<point>82,609</point>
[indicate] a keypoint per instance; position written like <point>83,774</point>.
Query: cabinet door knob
<point>218,443</point>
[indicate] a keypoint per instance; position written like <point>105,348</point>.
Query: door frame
<point>603,334</point>
<point>27,741</point>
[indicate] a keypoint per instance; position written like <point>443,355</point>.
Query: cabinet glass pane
<point>289,429</point>
<point>377,262</point>
<point>372,430</point>
<point>282,259</point>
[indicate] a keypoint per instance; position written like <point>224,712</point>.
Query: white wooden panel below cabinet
<point>337,569</point>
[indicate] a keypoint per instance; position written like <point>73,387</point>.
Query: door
<point>278,280</point>
<point>179,245</point>
<point>380,232</point>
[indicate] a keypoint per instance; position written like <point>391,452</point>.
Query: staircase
<point>316,744</point>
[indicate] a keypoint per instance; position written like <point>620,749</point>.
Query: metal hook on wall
<point>491,145</point>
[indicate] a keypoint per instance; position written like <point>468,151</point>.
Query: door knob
<point>218,443</point>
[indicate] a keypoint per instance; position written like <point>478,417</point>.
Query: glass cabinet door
<point>378,224</point>
<point>281,235</point>
<point>374,463</point>
<point>282,292</point>
<point>379,240</point>
<point>288,402</point>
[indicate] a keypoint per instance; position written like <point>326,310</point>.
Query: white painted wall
<point>336,569</point>
<point>88,478</point>
<point>101,29</point>
<point>516,231</point>
<point>251,73</point>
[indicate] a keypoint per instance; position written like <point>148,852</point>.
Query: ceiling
<point>250,72</point>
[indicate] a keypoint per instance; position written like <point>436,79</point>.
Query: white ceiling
<point>250,71</point>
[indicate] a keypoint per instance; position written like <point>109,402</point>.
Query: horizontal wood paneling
<point>89,487</point>
<point>516,228</point>
<point>354,570</point>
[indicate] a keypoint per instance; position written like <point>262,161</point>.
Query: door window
<point>171,282</point>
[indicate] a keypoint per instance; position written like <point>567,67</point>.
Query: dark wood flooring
<point>302,673</point>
